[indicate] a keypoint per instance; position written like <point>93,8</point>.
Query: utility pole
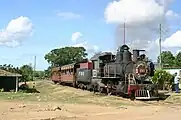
<point>34,66</point>
<point>124,39</point>
<point>160,49</point>
<point>34,63</point>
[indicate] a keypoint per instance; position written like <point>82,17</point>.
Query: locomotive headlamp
<point>141,70</point>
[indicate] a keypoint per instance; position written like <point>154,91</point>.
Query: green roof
<point>6,73</point>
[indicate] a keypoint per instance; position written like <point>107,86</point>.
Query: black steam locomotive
<point>121,74</point>
<point>124,74</point>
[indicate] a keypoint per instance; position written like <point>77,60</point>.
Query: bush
<point>162,78</point>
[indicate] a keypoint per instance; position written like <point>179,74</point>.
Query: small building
<point>9,81</point>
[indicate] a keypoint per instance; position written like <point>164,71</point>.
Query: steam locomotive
<point>123,74</point>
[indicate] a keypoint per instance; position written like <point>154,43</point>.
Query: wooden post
<point>17,84</point>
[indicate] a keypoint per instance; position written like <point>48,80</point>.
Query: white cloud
<point>170,13</point>
<point>88,47</point>
<point>173,41</point>
<point>83,43</point>
<point>16,31</point>
<point>133,11</point>
<point>142,19</point>
<point>76,36</point>
<point>68,15</point>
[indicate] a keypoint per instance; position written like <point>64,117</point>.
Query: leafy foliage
<point>66,55</point>
<point>39,74</point>
<point>47,72</point>
<point>169,60</point>
<point>178,59</point>
<point>10,68</point>
<point>161,77</point>
<point>27,73</point>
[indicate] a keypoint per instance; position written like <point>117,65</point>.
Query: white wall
<point>172,71</point>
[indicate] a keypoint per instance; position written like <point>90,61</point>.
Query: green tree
<point>10,68</point>
<point>178,59</point>
<point>39,74</point>
<point>65,55</point>
<point>48,72</point>
<point>168,59</point>
<point>26,72</point>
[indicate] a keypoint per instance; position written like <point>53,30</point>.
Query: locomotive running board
<point>146,98</point>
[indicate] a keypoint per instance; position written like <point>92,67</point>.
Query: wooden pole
<point>34,67</point>
<point>160,49</point>
<point>17,84</point>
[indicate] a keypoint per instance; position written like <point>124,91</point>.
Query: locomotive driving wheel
<point>109,87</point>
<point>100,89</point>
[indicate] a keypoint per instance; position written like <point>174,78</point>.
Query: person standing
<point>176,82</point>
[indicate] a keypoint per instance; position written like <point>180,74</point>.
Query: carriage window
<point>71,71</point>
<point>67,72</point>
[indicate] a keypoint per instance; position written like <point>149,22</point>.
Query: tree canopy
<point>65,55</point>
<point>27,72</point>
<point>169,60</point>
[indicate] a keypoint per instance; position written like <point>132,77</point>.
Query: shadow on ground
<point>25,88</point>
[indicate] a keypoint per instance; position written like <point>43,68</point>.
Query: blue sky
<point>51,31</point>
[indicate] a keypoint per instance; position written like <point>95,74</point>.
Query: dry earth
<point>56,102</point>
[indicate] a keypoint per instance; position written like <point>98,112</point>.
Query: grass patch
<point>57,93</point>
<point>174,98</point>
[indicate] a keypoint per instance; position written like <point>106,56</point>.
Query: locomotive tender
<point>121,74</point>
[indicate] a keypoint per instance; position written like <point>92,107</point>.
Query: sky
<point>34,27</point>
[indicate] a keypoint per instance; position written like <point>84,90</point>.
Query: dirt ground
<point>18,109</point>
<point>54,111</point>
